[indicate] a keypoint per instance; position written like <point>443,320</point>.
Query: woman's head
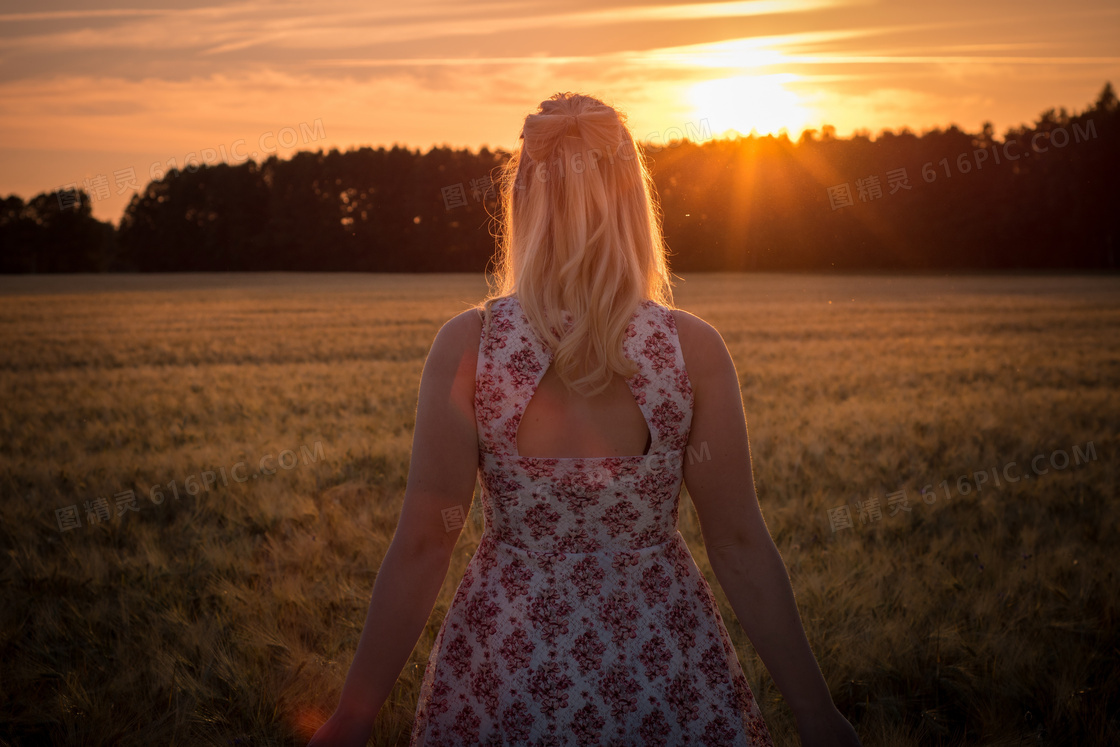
<point>580,232</point>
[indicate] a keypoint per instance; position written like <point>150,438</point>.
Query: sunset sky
<point>92,90</point>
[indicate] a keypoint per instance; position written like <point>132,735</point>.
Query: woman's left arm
<point>742,554</point>
<point>441,479</point>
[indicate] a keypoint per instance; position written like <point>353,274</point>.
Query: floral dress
<point>582,618</point>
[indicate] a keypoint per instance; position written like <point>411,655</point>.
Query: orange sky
<point>91,91</point>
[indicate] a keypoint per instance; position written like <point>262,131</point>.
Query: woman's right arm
<point>742,554</point>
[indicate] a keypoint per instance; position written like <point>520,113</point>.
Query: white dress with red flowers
<point>582,618</point>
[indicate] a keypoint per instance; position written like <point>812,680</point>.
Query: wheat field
<point>263,422</point>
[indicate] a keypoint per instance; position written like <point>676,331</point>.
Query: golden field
<point>225,609</point>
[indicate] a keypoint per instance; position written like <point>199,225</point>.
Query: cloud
<point>161,81</point>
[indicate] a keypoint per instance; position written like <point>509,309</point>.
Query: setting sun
<point>745,103</point>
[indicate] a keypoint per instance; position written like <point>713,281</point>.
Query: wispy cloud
<point>67,15</point>
<point>340,26</point>
<point>158,81</point>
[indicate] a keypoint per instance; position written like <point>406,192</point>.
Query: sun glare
<point>749,103</point>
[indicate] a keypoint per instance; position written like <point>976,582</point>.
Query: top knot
<point>597,126</point>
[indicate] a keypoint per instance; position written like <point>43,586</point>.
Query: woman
<point>574,393</point>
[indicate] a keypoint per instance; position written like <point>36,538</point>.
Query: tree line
<point>1042,196</point>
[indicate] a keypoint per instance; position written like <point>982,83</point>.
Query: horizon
<point>109,97</point>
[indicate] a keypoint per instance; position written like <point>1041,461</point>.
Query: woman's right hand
<point>343,730</point>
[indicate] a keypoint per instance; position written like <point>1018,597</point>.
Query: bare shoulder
<point>701,344</point>
<point>457,341</point>
<point>465,324</point>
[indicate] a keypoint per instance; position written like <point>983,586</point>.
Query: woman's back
<point>582,618</point>
<point>561,423</point>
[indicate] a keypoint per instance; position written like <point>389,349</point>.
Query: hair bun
<point>597,126</point>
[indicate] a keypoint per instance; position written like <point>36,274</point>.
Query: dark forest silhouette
<point>1043,196</point>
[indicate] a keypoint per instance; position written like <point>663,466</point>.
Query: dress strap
<point>513,359</point>
<point>667,400</point>
<point>510,359</point>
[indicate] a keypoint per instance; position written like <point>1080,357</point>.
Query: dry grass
<point>231,616</point>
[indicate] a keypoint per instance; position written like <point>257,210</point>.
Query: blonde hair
<point>580,232</point>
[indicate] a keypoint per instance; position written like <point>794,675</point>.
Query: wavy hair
<point>580,240</point>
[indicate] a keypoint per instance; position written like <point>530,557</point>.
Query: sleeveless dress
<point>582,618</point>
